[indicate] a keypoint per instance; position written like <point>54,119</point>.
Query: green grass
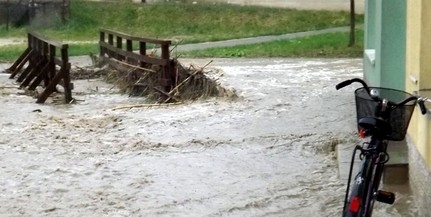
<point>179,22</point>
<point>11,52</point>
<point>184,21</point>
<point>83,49</point>
<point>326,45</point>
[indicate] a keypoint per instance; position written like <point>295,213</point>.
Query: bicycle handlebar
<point>420,100</point>
<point>349,82</point>
<point>421,103</point>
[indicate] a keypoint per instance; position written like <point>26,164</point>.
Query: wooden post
<point>129,45</point>
<point>66,74</point>
<point>119,46</point>
<point>166,69</point>
<point>110,39</point>
<point>45,53</point>
<point>51,60</point>
<point>142,51</point>
<point>19,63</point>
<point>102,39</point>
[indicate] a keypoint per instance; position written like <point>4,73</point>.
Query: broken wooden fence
<point>111,44</point>
<point>38,63</point>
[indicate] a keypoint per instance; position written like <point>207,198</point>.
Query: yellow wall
<point>418,66</point>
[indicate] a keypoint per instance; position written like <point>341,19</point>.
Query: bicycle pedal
<point>385,197</point>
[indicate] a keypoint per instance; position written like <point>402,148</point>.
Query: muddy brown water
<point>269,153</point>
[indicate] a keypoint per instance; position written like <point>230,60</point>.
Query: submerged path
<point>258,39</point>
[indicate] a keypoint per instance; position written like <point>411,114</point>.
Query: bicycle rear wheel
<point>377,172</point>
<point>361,200</point>
<point>357,200</point>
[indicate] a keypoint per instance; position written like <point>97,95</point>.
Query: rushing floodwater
<point>270,153</point>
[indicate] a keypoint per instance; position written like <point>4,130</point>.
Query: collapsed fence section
<point>39,63</point>
<point>111,44</point>
<point>152,73</point>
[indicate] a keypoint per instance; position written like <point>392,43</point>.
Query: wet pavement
<point>268,153</point>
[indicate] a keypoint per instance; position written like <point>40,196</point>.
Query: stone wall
<point>13,13</point>
<point>35,12</point>
<point>420,179</point>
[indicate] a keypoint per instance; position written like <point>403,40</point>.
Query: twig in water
<point>145,105</point>
<point>133,66</point>
<point>188,78</point>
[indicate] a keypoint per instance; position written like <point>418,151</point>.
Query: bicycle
<point>383,115</point>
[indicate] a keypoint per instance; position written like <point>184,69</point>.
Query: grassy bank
<point>179,22</point>
<point>333,45</point>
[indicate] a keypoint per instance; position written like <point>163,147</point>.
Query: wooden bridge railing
<point>38,63</point>
<point>111,44</point>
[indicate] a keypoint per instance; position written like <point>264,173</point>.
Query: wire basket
<point>399,117</point>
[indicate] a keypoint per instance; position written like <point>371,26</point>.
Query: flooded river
<point>268,153</point>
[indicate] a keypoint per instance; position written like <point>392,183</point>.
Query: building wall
<point>385,43</point>
<point>418,67</point>
<point>370,44</point>
<point>392,43</point>
<point>420,179</point>
<point>418,79</point>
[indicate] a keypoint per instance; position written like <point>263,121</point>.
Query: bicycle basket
<point>399,117</point>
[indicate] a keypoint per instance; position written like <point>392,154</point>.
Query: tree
<point>352,23</point>
<point>7,15</point>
